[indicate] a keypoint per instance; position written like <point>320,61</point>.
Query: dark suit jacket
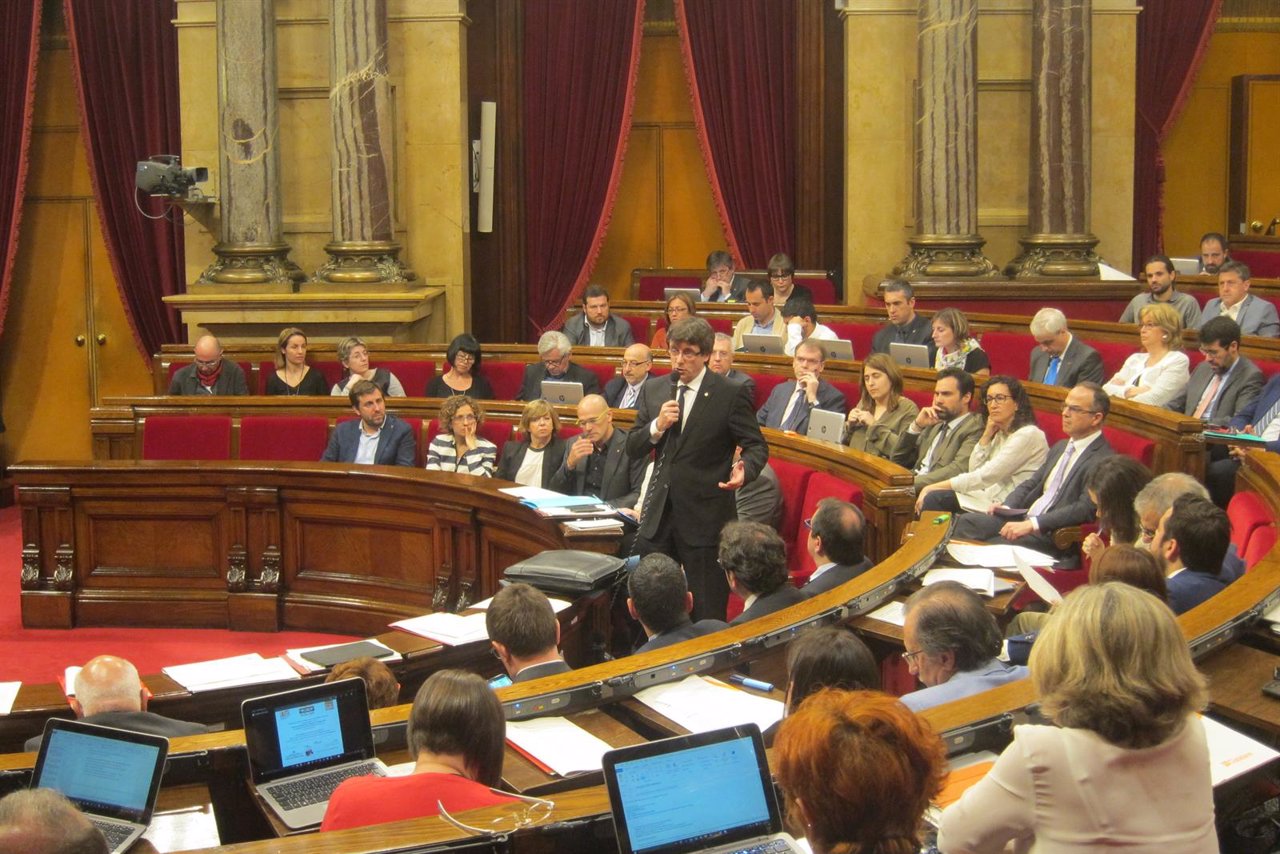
<point>770,415</point>
<point>531,385</point>
<point>686,631</point>
<point>230,381</point>
<point>699,458</point>
<point>1256,316</point>
<point>761,499</point>
<point>1080,363</point>
<point>834,577</point>
<point>617,332</point>
<point>952,457</point>
<point>623,475</point>
<point>918,331</point>
<point>513,457</point>
<point>1242,387</point>
<point>1072,506</point>
<point>396,447</point>
<point>537,671</point>
<point>1189,588</point>
<point>784,597</point>
<point>738,376</point>
<point>145,722</point>
<point>615,389</point>
<point>1253,411</point>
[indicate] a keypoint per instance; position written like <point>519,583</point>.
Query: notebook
<point>303,743</point>
<point>558,392</point>
<point>763,344</point>
<point>825,426</point>
<point>112,776</point>
<point>709,792</point>
<point>910,355</point>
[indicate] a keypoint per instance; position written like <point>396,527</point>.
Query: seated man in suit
<point>596,463</point>
<point>951,642</point>
<point>377,438</point>
<point>1061,359</point>
<point>801,318</point>
<point>938,443</point>
<point>595,327</point>
<point>525,633</point>
<point>904,326</point>
<point>108,692</point>
<point>754,560</point>
<point>1155,499</point>
<point>1214,252</point>
<point>1256,316</point>
<point>789,403</point>
<point>1190,544</point>
<point>835,544</point>
<point>556,351</point>
<point>1055,496</point>
<point>43,820</point>
<point>1162,286</point>
<point>622,392</point>
<point>763,317</point>
<point>721,363</point>
<point>209,373</point>
<point>722,285</point>
<point>1258,417</point>
<point>659,598</point>
<point>1224,383</point>
<point>761,499</point>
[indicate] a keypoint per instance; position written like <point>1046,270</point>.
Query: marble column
<point>251,248</point>
<point>1059,242</point>
<point>363,249</point>
<point>946,242</point>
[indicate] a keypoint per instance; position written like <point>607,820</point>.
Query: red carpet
<point>40,655</point>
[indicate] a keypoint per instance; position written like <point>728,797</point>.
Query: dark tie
<point>798,411</point>
<point>679,425</point>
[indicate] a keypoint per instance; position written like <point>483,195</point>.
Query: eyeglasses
<point>464,419</point>
<point>998,398</point>
<point>808,523</point>
<point>778,274</point>
<point>1148,534</point>
<point>208,363</point>
<point>1077,410</point>
<point>534,811</point>
<point>463,355</point>
<point>907,656</point>
<point>551,363</point>
<point>686,353</point>
<point>635,363</point>
<point>590,422</point>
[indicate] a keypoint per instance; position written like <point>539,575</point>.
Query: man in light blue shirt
<point>376,438</point>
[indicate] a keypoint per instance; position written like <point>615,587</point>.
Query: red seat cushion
<point>819,486</point>
<point>852,392</point>
<point>654,287</point>
<point>639,327</point>
<point>792,480</point>
<point>1051,423</point>
<point>1138,447</point>
<point>604,372</point>
<point>719,324</point>
<point>283,437</point>
<point>1113,354</point>
<point>1247,513</point>
<point>921,397</point>
<point>1009,352</point>
<point>1260,543</point>
<point>764,385</point>
<point>505,377</point>
<point>824,290</point>
<point>857,334</point>
<point>414,375</point>
<point>186,437</point>
<point>1261,263</point>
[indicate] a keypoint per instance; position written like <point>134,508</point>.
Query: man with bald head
<point>109,692</point>
<point>596,463</point>
<point>623,392</point>
<point>209,373</point>
<point>42,820</point>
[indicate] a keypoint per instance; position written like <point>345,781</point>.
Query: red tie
<point>1207,397</point>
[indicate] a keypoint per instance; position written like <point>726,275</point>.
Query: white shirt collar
<point>821,570</point>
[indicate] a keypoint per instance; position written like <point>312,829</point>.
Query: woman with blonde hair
<point>1159,372</point>
<point>882,414</point>
<point>1126,767</point>
<point>353,353</point>
<point>956,348</point>
<point>293,376</point>
<point>534,459</point>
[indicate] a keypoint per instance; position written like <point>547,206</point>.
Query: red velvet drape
<point>125,59</point>
<point>19,48</point>
<point>580,61</point>
<point>1172,38</point>
<point>740,58</point>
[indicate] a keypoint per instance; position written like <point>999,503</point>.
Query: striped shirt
<point>442,455</point>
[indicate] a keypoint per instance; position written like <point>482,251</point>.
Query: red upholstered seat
<point>604,372</point>
<point>1247,512</point>
<point>654,287</point>
<point>824,290</point>
<point>283,437</point>
<point>1141,449</point>
<point>820,485</point>
<point>921,397</point>
<point>792,480</point>
<point>1113,354</point>
<point>852,392</point>
<point>1009,352</point>
<point>332,371</point>
<point>719,324</point>
<point>764,385</point>
<point>1268,368</point>
<point>1260,263</point>
<point>414,376</point>
<point>639,327</point>
<point>857,334</point>
<point>1051,424</point>
<point>505,377</point>
<point>186,437</point>
<point>569,432</point>
<point>1260,543</point>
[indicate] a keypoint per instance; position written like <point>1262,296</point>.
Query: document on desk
<point>448,629</point>
<point>559,744</point>
<point>1038,583</point>
<point>557,605</point>
<point>248,669</point>
<point>977,579</point>
<point>997,556</point>
<point>8,693</point>
<point>1231,753</point>
<point>893,612</point>
<point>699,705</point>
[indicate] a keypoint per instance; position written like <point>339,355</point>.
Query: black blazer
<point>1080,362</point>
<point>701,457</point>
<point>623,475</point>
<point>784,597</point>
<point>531,385</point>
<point>834,577</point>
<point>512,458</point>
<point>1072,506</point>
<point>145,722</point>
<point>615,389</point>
<point>683,632</point>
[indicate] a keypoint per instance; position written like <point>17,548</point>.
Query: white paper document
<point>977,579</point>
<point>997,556</point>
<point>701,706</point>
<point>557,605</point>
<point>8,693</point>
<point>1232,753</point>
<point>69,680</point>
<point>530,492</point>
<point>1038,583</point>
<point>559,744</point>
<point>448,629</point>
<point>891,612</point>
<point>248,669</point>
<point>295,655</point>
<point>600,524</point>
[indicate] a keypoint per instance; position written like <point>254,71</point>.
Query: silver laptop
<point>838,348</point>
<point>910,355</point>
<point>303,743</point>
<point>709,792</point>
<point>1186,266</point>
<point>763,344</point>
<point>825,426</point>
<point>554,391</point>
<point>112,776</point>
<point>694,293</point>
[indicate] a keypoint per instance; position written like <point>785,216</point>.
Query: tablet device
<point>694,293</point>
<point>763,344</point>
<point>825,426</point>
<point>838,348</point>
<point>910,355</point>
<point>559,392</point>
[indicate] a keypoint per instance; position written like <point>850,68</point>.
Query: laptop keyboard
<point>116,834</point>
<point>313,790</point>
<point>770,846</point>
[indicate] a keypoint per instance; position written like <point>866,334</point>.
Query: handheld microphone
<point>675,383</point>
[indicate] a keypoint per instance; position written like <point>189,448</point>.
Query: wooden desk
<point>1236,676</point>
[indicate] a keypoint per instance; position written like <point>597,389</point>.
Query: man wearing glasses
<point>623,392</point>
<point>1060,358</point>
<point>691,423</point>
<point>1055,496</point>
<point>1224,383</point>
<point>210,373</point>
<point>555,350</point>
<point>596,463</point>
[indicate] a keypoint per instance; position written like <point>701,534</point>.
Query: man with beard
<point>210,373</point>
<point>938,443</point>
<point>1161,287</point>
<point>1190,544</point>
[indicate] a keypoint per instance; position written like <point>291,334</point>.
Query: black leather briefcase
<point>567,572</point>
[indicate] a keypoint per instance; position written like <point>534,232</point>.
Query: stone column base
<point>1053,255</point>
<point>251,263</point>
<point>354,262</point>
<point>948,255</point>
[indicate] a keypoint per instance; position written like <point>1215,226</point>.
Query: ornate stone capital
<point>1055,255</point>
<point>363,262</point>
<point>251,263</point>
<point>944,255</point>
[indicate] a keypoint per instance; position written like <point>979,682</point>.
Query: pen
<point>748,682</point>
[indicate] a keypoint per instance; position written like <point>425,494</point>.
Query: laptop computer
<point>1186,266</point>
<point>694,293</point>
<point>838,348</point>
<point>303,743</point>
<point>112,776</point>
<point>763,344</point>
<point>558,392</point>
<point>709,792</point>
<point>825,426</point>
<point>910,355</point>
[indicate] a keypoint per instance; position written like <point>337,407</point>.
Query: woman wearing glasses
<point>1160,372</point>
<point>534,459</point>
<point>680,306</point>
<point>463,376</point>
<point>1010,450</point>
<point>458,447</point>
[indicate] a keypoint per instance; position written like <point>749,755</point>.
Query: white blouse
<point>1167,378</point>
<point>995,470</point>
<point>530,473</point>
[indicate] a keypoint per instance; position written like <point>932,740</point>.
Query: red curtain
<point>125,61</point>
<point>740,59</point>
<point>580,61</point>
<point>19,48</point>
<point>1172,38</point>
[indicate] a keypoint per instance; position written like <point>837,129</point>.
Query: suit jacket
<point>531,385</point>
<point>1189,588</point>
<point>620,485</point>
<point>617,332</point>
<point>1251,412</point>
<point>396,447</point>
<point>145,722</point>
<point>738,376</point>
<point>700,457</point>
<point>1241,388</point>
<point>761,499</point>
<point>1256,316</point>
<point>834,576</point>
<point>770,415</point>
<point>784,597</point>
<point>1080,363</point>
<point>615,389</point>
<point>230,381</point>
<point>512,458</point>
<point>683,632</point>
<point>952,456</point>
<point>537,671</point>
<point>1072,505</point>
<point>918,331</point>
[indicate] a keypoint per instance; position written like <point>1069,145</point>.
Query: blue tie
<point>1051,375</point>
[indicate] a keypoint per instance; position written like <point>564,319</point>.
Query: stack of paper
<point>701,706</point>
<point>294,656</point>
<point>597,524</point>
<point>249,669</point>
<point>997,556</point>
<point>979,580</point>
<point>448,629</point>
<point>558,744</point>
<point>8,693</point>
<point>557,605</point>
<point>1231,753</point>
<point>893,612</point>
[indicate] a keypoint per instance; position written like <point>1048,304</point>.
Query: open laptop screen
<point>101,770</point>
<point>298,731</point>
